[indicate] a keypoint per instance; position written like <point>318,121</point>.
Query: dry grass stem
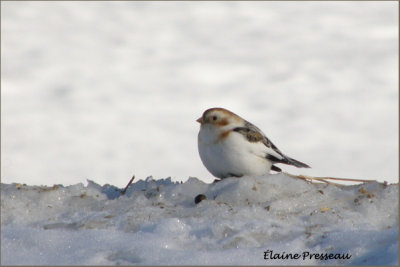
<point>326,179</point>
<point>126,187</point>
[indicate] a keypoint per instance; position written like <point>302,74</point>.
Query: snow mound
<point>239,223</point>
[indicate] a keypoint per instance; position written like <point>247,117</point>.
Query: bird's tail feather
<point>296,163</point>
<point>287,160</point>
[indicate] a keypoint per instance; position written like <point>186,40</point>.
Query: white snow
<point>157,222</point>
<point>104,90</point>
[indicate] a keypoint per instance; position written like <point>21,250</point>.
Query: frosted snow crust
<point>157,222</point>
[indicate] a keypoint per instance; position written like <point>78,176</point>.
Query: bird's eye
<point>214,118</point>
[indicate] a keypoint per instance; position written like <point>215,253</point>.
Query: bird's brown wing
<point>254,134</point>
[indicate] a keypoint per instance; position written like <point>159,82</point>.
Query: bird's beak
<point>200,120</point>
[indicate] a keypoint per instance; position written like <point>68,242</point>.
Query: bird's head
<point>220,119</point>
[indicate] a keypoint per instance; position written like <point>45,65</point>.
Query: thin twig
<point>310,179</point>
<point>126,187</point>
<point>338,179</point>
<point>324,179</point>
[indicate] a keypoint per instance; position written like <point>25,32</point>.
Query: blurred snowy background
<point>105,90</point>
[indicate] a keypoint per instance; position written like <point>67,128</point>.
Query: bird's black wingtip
<point>298,164</point>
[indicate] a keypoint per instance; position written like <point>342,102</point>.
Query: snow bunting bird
<point>231,146</point>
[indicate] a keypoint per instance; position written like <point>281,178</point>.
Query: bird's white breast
<point>231,156</point>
